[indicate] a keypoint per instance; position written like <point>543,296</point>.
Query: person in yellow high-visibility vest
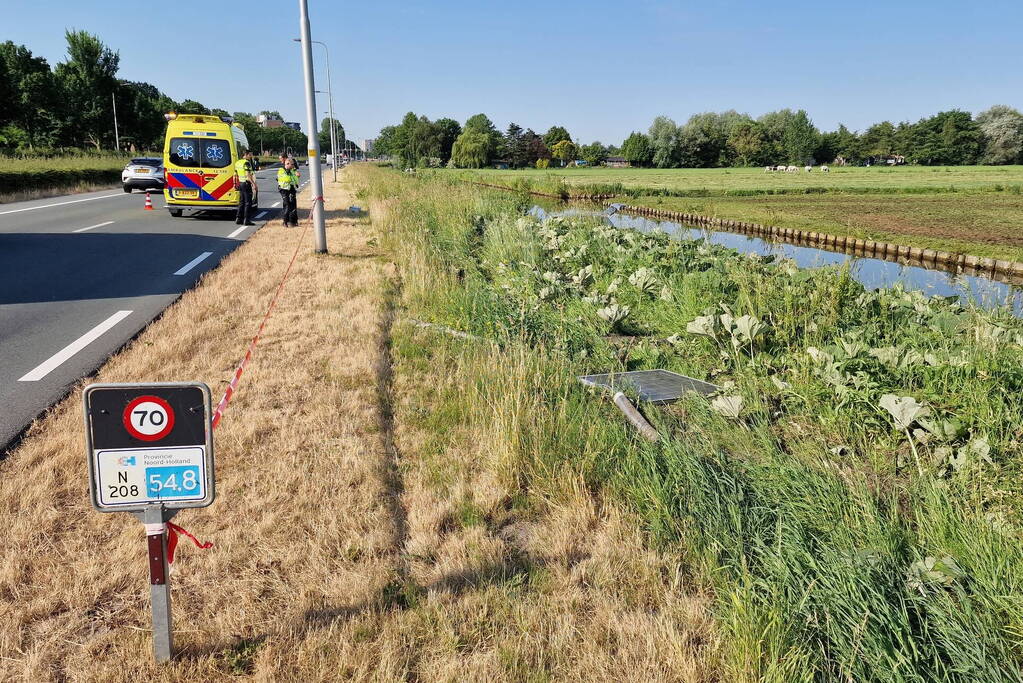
<point>246,180</point>
<point>287,183</point>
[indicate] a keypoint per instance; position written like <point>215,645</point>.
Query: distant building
<point>617,162</point>
<point>294,125</point>
<point>501,165</point>
<point>268,122</point>
<point>367,146</point>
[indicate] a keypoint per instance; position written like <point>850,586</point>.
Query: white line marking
<point>194,262</point>
<point>237,232</point>
<point>74,347</point>
<point>275,205</point>
<point>73,201</point>
<point>98,225</point>
<point>260,215</point>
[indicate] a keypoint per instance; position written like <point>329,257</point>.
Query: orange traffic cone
<point>149,202</point>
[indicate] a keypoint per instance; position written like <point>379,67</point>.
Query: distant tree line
<point>44,110</point>
<point>418,141</point>
<point>713,139</point>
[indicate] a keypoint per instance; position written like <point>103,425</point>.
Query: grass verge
<point>376,518</point>
<point>851,499</point>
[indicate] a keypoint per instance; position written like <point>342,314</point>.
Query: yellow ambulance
<point>199,153</point>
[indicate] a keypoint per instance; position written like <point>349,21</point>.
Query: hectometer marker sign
<point>149,444</point>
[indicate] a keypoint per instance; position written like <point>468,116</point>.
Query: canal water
<point>872,273</point>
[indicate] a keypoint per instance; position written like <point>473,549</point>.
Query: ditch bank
<point>1008,272</point>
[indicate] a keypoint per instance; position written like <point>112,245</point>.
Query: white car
<point>144,173</point>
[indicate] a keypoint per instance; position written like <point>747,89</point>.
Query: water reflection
<point>872,273</point>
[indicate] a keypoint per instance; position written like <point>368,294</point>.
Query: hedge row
<point>44,179</point>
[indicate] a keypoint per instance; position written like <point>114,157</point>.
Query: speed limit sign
<point>148,418</point>
<point>149,444</point>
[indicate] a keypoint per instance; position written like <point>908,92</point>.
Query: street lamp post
<point>333,134</point>
<point>117,137</point>
<point>330,101</point>
<point>315,175</point>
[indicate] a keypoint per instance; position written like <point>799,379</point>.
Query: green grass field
<point>987,225</point>
<point>718,180</point>
<point>970,209</point>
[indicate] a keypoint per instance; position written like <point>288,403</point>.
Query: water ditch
<point>870,271</point>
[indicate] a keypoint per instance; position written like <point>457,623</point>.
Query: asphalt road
<point>80,275</point>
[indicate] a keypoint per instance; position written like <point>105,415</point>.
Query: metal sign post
<point>150,452</point>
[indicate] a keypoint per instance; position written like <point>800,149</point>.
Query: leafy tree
<point>415,142</point>
<point>947,138</point>
<point>87,80</point>
<point>384,145</point>
<point>664,139</point>
<point>1002,127</point>
<point>555,135</point>
<point>471,149</point>
<point>29,93</point>
<point>448,131</point>
<point>565,151</point>
<point>193,107</point>
<point>535,147</point>
<point>842,143</point>
<point>483,125</point>
<point>594,153</point>
<point>800,139</point>
<point>324,135</point>
<point>774,124</point>
<point>879,140</point>
<point>515,145</point>
<point>637,149</point>
<point>140,110</point>
<point>746,141</point>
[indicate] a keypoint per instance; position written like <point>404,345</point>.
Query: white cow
<point>825,169</point>
<point>809,168</point>
<point>791,169</point>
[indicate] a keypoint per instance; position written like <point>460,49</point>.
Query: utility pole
<point>315,177</point>
<point>330,102</point>
<point>117,138</point>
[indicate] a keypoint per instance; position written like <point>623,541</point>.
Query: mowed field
<point>969,209</point>
<point>723,180</point>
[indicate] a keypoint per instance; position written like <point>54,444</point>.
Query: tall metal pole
<point>330,101</point>
<point>117,138</point>
<point>315,177</point>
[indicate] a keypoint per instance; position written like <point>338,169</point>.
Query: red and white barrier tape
<point>173,530</point>
<point>233,385</point>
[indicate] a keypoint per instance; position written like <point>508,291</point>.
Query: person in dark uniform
<point>246,179</point>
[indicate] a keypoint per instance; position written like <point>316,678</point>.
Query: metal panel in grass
<point>653,386</point>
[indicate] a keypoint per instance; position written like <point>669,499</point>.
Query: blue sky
<point>599,68</point>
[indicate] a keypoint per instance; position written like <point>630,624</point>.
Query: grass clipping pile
<point>326,562</point>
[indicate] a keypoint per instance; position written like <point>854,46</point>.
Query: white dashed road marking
<point>73,201</point>
<point>74,347</point>
<point>98,225</point>
<point>194,262</point>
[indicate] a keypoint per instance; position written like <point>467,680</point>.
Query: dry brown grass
<point>350,542</point>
